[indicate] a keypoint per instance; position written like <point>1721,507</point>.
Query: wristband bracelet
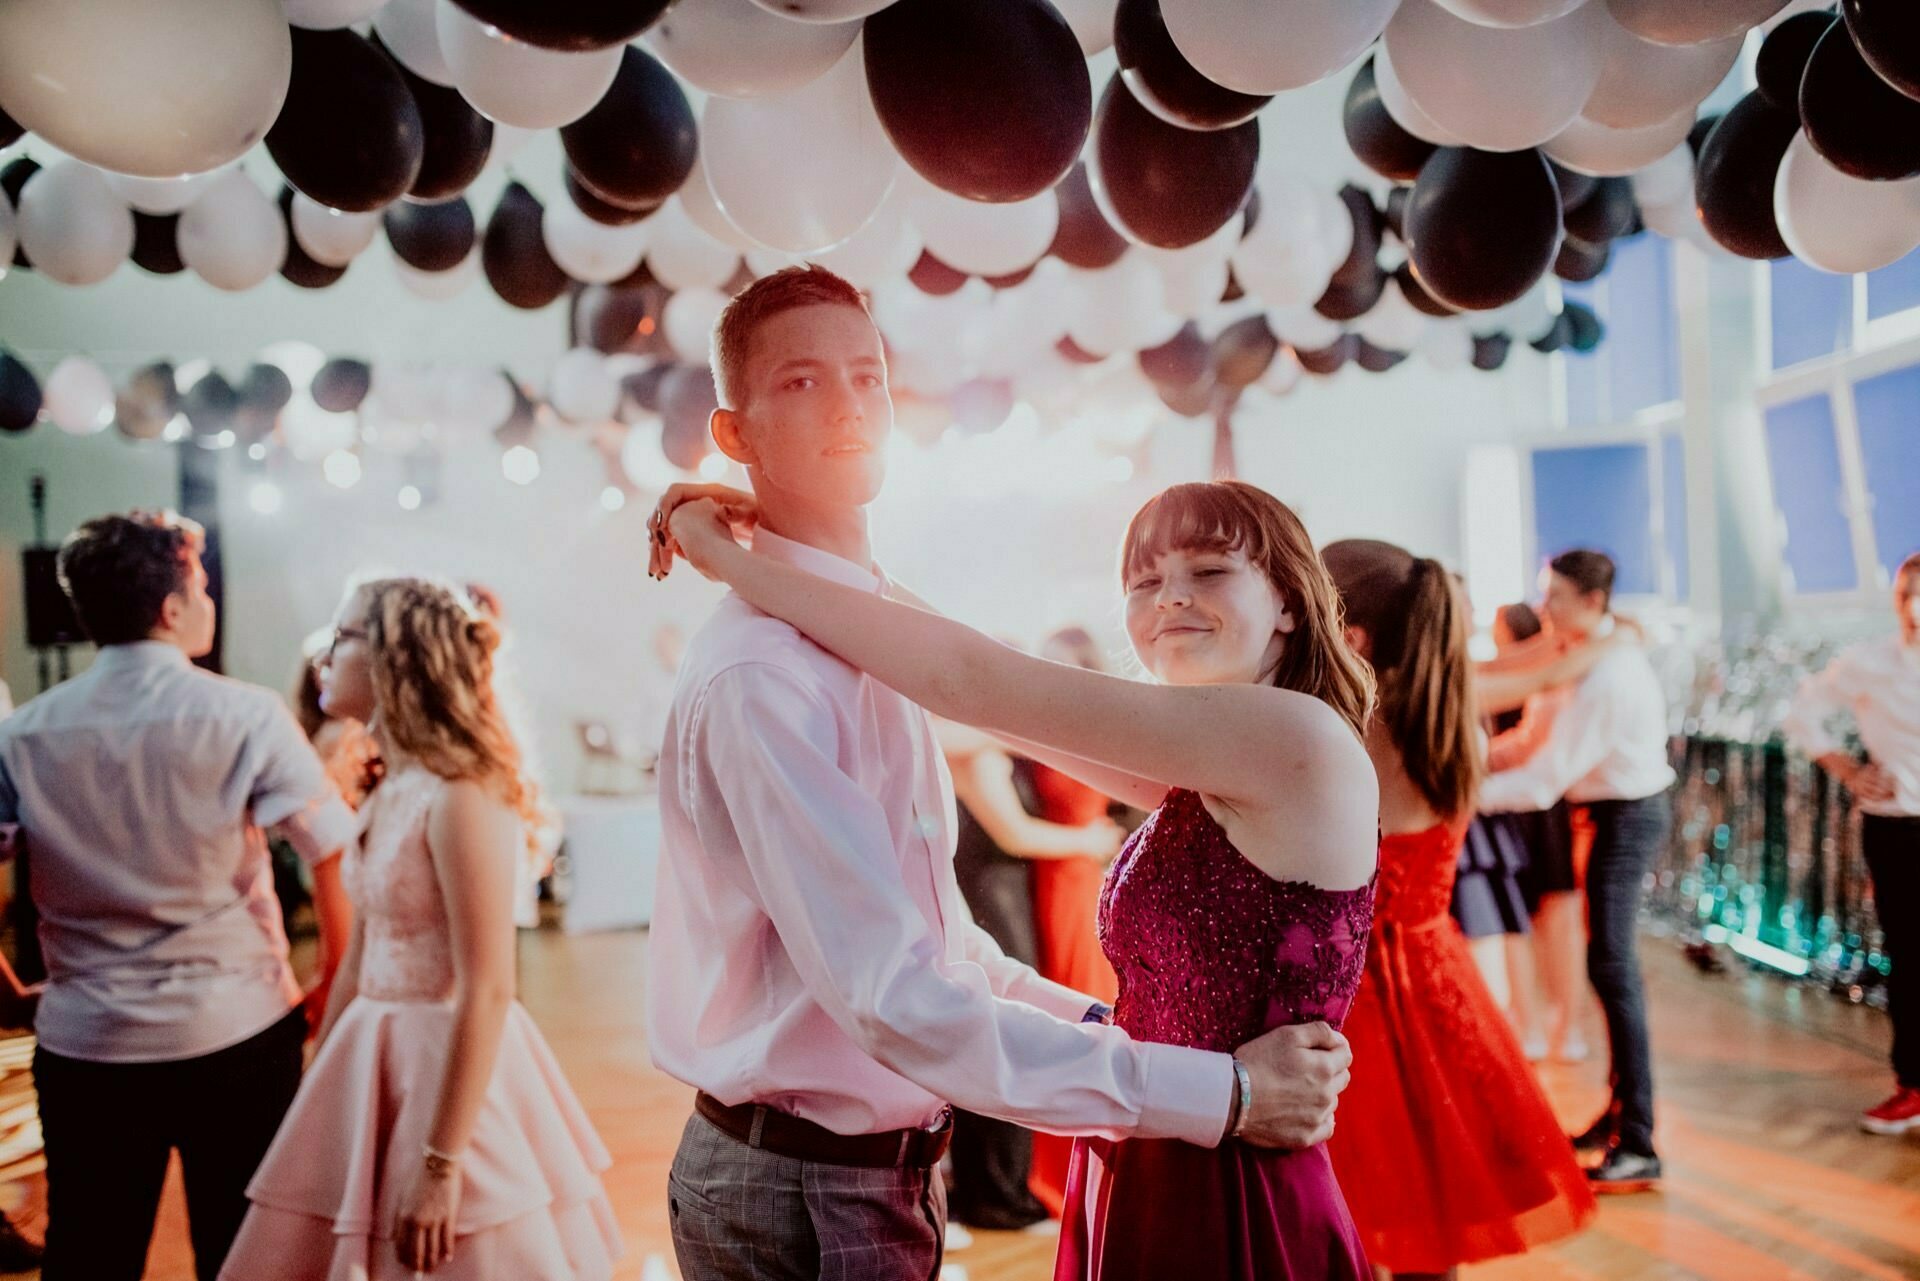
<point>439,1164</point>
<point>1243,1099</point>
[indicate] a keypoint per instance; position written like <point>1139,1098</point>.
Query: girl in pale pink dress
<point>434,1132</point>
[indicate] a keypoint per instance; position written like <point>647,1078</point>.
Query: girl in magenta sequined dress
<point>1243,904</point>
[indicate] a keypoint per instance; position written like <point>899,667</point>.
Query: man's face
<point>1906,604</point>
<point>1571,611</point>
<point>815,413</point>
<point>189,612</point>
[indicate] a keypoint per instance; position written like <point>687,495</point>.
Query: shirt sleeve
<point>1820,699</point>
<point>1575,746</point>
<point>1018,981</point>
<point>824,866</point>
<point>291,792</point>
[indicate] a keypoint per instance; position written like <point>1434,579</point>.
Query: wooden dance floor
<point>1767,1176</point>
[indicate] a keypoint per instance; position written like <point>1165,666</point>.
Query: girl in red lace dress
<point>1447,1148</point>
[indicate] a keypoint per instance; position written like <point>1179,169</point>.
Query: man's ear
<point>725,426</point>
<point>170,611</point>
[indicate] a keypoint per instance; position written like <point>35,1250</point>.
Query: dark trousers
<point>110,1128</point>
<point>1627,836</point>
<point>1892,847</point>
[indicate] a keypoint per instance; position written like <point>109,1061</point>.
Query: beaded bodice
<point>406,952</point>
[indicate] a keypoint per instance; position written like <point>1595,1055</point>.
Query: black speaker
<point>50,619</point>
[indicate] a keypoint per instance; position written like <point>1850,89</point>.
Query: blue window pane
<point>1673,508</point>
<point>1643,338</point>
<point>1888,409</point>
<point>1810,495</point>
<point>1599,497</point>
<point>1586,374</point>
<point>1812,312</point>
<point>1893,289</point>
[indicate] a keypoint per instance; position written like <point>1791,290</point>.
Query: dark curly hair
<point>119,570</point>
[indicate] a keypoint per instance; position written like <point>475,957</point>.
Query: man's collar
<point>146,653</point>
<point>820,563</point>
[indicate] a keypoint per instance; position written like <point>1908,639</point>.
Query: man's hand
<point>1871,782</point>
<point>1298,1073</point>
<point>736,505</point>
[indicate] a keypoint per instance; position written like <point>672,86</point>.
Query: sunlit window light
<point>520,465</point>
<point>342,469</point>
<point>264,497</point>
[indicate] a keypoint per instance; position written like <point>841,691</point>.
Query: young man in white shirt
<point>1878,683</point>
<point>814,971</point>
<point>170,1020</point>
<point>1607,750</point>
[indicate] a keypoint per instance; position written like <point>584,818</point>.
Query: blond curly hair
<point>433,682</point>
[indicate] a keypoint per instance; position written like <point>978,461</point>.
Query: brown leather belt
<point>759,1126</point>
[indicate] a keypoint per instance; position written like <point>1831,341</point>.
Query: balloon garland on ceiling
<point>931,150</point>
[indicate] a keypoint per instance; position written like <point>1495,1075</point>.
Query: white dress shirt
<point>810,948</point>
<point>1878,681</point>
<point>1608,742</point>
<point>142,787</point>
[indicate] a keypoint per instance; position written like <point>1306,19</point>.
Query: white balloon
<point>157,90</point>
<point>475,397</point>
<point>1497,89</point>
<point>78,397</point>
<point>696,197</point>
<point>1691,21</point>
<point>1284,374</point>
<point>405,391</point>
<point>1643,83</point>
<point>160,195</point>
<point>406,27</point>
<point>1289,256</point>
<point>581,389</point>
<point>1194,277</point>
<point>1510,13</point>
<point>9,234</point>
<point>1303,327</point>
<point>507,142</point>
<point>1842,224</point>
<point>517,83</point>
<point>1030,317</point>
<point>983,239</point>
<point>591,251</point>
<point>1447,344</point>
<point>1589,148</point>
<point>311,433</point>
<point>1666,180</point>
<point>1268,46</point>
<point>823,10</point>
<point>1392,323</point>
<point>72,226</point>
<point>1120,308</point>
<point>681,255</point>
<point>331,237</point>
<point>688,320</point>
<point>1405,111</point>
<point>232,236</point>
<point>882,250</point>
<point>740,50</point>
<point>328,15</point>
<point>1092,22</point>
<point>916,321</point>
<point>800,171</point>
<point>438,286</point>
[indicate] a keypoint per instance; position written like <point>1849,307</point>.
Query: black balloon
<point>11,130</point>
<point>341,385</point>
<point>1558,335</point>
<point>1481,226</point>
<point>1575,187</point>
<point>1860,123</point>
<point>605,211</point>
<point>156,243</point>
<point>436,237</point>
<point>1329,359</point>
<point>643,388</point>
<point>1180,360</point>
<point>514,254</point>
<point>1490,350</point>
<point>932,276</point>
<point>1888,35</point>
<point>210,405</point>
<point>349,136</point>
<point>264,392</point>
<point>1585,329</point>
<point>621,318</point>
<point>521,419</point>
<point>1733,181</point>
<point>1395,213</point>
<point>1076,353</point>
<point>457,138</point>
<point>147,403</point>
<point>1376,137</point>
<point>980,405</point>
<point>1085,238</point>
<point>1362,261</point>
<point>1160,76</point>
<point>19,395</point>
<point>299,267</point>
<point>1377,360</point>
<point>638,143</point>
<point>1252,211</point>
<point>1416,293</point>
<point>1242,352</point>
<point>1007,281</point>
<point>1165,186</point>
<point>1354,299</point>
<point>572,25</point>
<point>1783,57</point>
<point>687,402</point>
<point>1234,291</point>
<point>13,179</point>
<point>1605,214</point>
<point>1697,136</point>
<point>1579,261</point>
<point>1190,401</point>
<point>989,101</point>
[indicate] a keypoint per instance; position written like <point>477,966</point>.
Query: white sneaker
<point>958,1237</point>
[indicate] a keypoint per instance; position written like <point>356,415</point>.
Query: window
<point>1809,494</point>
<point>1637,367</point>
<point>1598,496</point>
<point>1811,312</point>
<point>1673,508</point>
<point>1887,411</point>
<point>1894,289</point>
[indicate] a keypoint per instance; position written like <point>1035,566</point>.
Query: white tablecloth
<point>612,847</point>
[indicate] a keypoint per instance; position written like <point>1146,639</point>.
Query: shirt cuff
<point>319,831</point>
<point>1188,1095</point>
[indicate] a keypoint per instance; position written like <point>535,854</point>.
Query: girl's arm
<point>983,783</point>
<point>345,986</point>
<point>1503,690</point>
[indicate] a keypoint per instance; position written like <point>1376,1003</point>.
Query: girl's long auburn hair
<point>433,682</point>
<point>1231,515</point>
<point>1416,625</point>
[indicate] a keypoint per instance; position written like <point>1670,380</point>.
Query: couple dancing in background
<point>816,978</point>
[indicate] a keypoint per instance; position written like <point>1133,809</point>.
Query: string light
<point>264,497</point>
<point>409,498</point>
<point>613,498</point>
<point>520,465</point>
<point>342,469</point>
<point>713,467</point>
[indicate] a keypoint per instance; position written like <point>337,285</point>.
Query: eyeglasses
<point>346,634</point>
